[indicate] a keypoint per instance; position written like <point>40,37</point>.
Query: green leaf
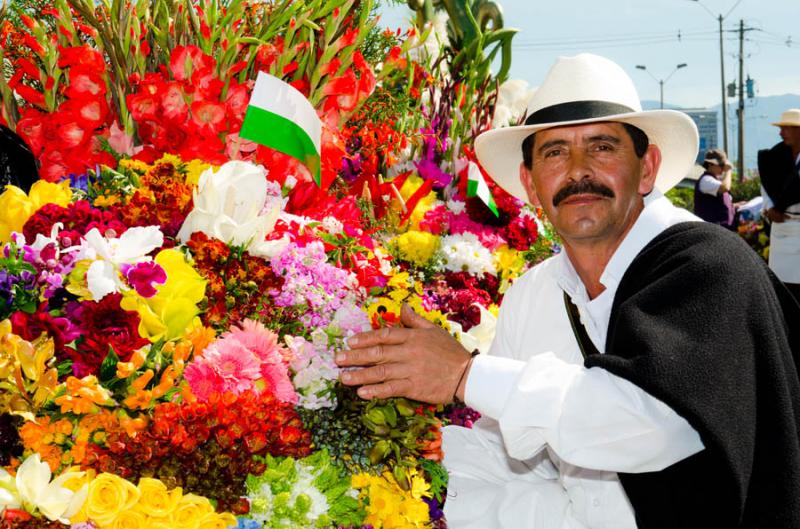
<point>108,369</point>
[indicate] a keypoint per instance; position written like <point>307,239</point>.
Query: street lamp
<point>720,18</point>
<point>661,81</point>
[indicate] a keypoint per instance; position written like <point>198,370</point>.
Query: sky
<point>646,32</point>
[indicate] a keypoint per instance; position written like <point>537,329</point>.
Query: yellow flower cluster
<point>27,375</point>
<point>416,247</point>
<point>116,503</point>
<point>16,207</point>
<point>388,505</point>
<point>173,310</point>
<point>404,289</point>
<point>509,262</point>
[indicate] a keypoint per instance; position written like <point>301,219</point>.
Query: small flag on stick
<point>281,118</point>
<point>477,187</point>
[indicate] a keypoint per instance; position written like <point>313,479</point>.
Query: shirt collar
<point>658,214</point>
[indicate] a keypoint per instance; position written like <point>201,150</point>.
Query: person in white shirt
<point>607,398</point>
<point>712,191</point>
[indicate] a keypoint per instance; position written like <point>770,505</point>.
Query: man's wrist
<point>458,395</point>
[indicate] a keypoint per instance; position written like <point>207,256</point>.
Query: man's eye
<point>604,147</point>
<point>551,154</point>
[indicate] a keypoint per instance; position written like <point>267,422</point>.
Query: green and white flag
<point>477,187</point>
<point>280,117</point>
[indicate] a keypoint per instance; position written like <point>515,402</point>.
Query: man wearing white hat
<point>779,168</point>
<point>620,390</point>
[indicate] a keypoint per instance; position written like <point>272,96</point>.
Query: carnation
<point>465,253</point>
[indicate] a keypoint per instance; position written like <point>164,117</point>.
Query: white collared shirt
<point>542,408</point>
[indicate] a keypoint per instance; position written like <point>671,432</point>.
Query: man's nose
<point>579,165</point>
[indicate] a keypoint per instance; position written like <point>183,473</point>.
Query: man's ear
<point>650,163</point>
<point>526,180</point>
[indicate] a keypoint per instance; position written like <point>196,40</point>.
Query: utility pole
<point>740,162</point>
<point>724,97</point>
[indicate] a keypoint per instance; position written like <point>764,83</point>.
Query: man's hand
<point>774,215</point>
<point>419,361</point>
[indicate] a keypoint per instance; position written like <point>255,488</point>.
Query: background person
<point>712,197</point>
<point>779,168</point>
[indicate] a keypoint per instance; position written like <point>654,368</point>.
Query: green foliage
<point>291,493</point>
<point>745,190</point>
<point>682,197</point>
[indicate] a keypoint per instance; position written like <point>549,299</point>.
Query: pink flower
<point>276,381</point>
<point>262,342</point>
<point>235,363</point>
<point>203,380</point>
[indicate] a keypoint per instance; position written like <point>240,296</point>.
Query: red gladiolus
<point>173,103</point>
<point>28,21</point>
<point>185,60</point>
<point>208,116</point>
<point>84,55</point>
<point>28,68</point>
<point>142,106</point>
<point>83,82</point>
<point>33,44</point>
<point>31,95</point>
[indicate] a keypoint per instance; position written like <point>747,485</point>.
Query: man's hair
<point>639,138</point>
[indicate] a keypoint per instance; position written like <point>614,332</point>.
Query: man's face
<point>791,136</point>
<point>589,181</point>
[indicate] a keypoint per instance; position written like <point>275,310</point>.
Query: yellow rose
<point>16,207</point>
<point>109,495</point>
<point>217,521</point>
<point>189,510</point>
<point>417,247</point>
<point>130,520</point>
<point>156,501</point>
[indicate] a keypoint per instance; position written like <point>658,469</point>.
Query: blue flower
<point>247,523</point>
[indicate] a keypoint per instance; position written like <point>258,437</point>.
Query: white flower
<point>465,253</point>
<point>480,336</point>
<point>109,254</point>
<point>512,102</point>
<point>456,206</point>
<point>33,490</point>
<point>332,225</point>
<point>229,205</point>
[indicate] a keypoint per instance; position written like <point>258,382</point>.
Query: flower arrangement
<point>172,295</point>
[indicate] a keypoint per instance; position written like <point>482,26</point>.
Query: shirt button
<point>596,502</point>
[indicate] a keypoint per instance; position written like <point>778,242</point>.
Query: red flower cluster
<point>520,233</point>
<point>163,198</point>
<point>238,283</point>
<point>206,448</point>
<point>188,112</point>
<point>19,519</point>
<point>104,325</point>
<point>457,293</point>
<point>78,218</point>
<point>66,141</point>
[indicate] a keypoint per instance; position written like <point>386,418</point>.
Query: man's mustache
<point>582,187</point>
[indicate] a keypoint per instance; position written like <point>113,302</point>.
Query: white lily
<point>33,490</point>
<point>109,254</point>
<point>480,336</point>
<point>229,205</point>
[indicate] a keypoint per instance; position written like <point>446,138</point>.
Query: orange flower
<point>139,400</point>
<point>83,395</point>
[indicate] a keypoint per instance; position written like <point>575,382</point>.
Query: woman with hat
<point>779,168</point>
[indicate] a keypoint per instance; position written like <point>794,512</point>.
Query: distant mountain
<point>759,113</point>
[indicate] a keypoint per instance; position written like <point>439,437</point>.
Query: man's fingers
<point>372,375</point>
<point>387,336</point>
<point>390,388</point>
<point>412,319</point>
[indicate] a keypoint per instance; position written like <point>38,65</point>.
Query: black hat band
<point>576,111</point>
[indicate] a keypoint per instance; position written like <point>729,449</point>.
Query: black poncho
<point>699,322</point>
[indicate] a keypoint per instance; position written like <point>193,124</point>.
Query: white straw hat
<point>790,118</point>
<point>582,89</point>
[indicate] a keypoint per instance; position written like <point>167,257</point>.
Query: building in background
<point>706,121</point>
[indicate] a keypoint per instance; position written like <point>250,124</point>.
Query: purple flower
<point>142,276</point>
<point>434,509</point>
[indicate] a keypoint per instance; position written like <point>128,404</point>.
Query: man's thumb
<point>413,320</point>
